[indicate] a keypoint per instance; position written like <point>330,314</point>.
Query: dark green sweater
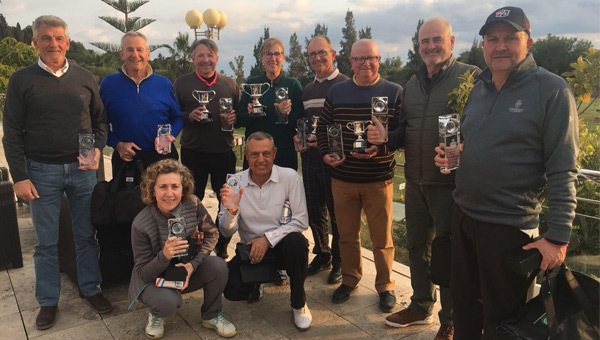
<point>283,134</point>
<point>44,114</point>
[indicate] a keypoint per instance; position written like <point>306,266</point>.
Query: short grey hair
<point>134,34</point>
<point>260,135</point>
<point>329,44</point>
<point>50,21</point>
<point>211,45</point>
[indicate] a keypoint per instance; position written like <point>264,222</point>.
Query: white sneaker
<point>155,327</point>
<point>223,327</point>
<point>302,317</point>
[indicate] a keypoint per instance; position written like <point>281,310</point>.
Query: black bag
<point>566,308</point>
<point>262,272</point>
<point>441,249</point>
<point>119,200</point>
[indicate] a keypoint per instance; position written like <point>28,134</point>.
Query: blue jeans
<point>51,182</point>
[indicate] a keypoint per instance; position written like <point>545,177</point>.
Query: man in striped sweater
<point>362,180</point>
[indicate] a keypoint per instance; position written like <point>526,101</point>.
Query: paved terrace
<point>270,318</point>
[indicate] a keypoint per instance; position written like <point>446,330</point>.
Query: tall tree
<point>124,25</point>
<point>179,62</point>
<point>238,69</point>
<point>414,58</point>
<point>365,33</point>
<point>348,39</point>
<point>258,68</point>
<point>19,33</point>
<point>556,53</point>
<point>391,69</point>
<point>296,62</point>
<point>474,55</point>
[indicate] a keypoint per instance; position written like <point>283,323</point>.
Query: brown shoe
<point>446,332</point>
<point>407,317</point>
<point>99,303</point>
<point>46,318</point>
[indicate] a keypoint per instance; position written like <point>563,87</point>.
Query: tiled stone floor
<point>270,318</point>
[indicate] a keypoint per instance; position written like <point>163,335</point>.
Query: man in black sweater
<point>48,105</point>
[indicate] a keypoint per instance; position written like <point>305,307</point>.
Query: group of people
<point>518,133</point>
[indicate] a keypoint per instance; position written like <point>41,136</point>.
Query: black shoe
<point>257,293</point>
<point>320,262</point>
<point>342,293</point>
<point>99,303</point>
<point>46,318</point>
<point>282,278</point>
<point>335,276</point>
<point>387,301</point>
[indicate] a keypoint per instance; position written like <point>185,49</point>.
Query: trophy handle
<point>350,126</point>
<point>268,87</point>
<point>243,86</point>
<point>368,122</point>
<point>212,96</point>
<point>196,95</point>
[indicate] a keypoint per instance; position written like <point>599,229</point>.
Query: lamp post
<point>215,21</point>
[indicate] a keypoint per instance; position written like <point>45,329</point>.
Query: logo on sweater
<point>517,107</point>
<point>502,13</point>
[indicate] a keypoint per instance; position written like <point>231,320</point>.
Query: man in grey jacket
<point>520,133</point>
<point>428,192</point>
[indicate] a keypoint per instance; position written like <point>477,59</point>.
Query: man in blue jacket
<point>136,102</point>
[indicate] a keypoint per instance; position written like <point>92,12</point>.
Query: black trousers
<point>217,166</point>
<point>147,158</point>
<point>319,200</point>
<point>292,255</point>
<point>484,290</point>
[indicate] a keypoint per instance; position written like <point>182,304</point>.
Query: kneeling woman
<point>167,188</point>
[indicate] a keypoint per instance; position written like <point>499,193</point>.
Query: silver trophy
<point>379,110</point>
<point>301,130</point>
<point>359,129</point>
<point>203,98</point>
<point>336,143</point>
<point>255,93</point>
<point>86,149</point>
<point>281,94</point>
<point>225,107</point>
<point>449,129</point>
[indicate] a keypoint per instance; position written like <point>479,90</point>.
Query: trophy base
<point>257,111</point>
<point>359,146</point>
<point>205,121</point>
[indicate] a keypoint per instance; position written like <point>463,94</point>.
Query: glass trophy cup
<point>255,93</point>
<point>163,133</point>
<point>449,129</point>
<point>379,110</point>
<point>301,130</point>
<point>203,98</point>
<point>86,149</point>
<point>336,143</point>
<point>315,123</point>
<point>281,94</point>
<point>359,128</point>
<point>225,107</point>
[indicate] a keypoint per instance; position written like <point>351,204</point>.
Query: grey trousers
<point>428,213</point>
<point>211,275</point>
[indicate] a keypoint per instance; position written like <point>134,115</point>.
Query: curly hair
<point>166,166</point>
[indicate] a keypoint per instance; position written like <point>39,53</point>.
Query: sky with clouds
<point>392,22</point>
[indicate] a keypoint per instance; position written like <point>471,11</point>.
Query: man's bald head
<point>435,43</point>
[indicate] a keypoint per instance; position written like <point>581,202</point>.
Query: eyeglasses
<point>361,60</point>
<point>321,53</point>
<point>270,55</point>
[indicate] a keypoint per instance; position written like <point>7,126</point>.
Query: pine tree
<point>238,69</point>
<point>128,24</point>
<point>348,39</point>
<point>258,68</point>
<point>365,33</point>
<point>414,58</point>
<point>295,59</point>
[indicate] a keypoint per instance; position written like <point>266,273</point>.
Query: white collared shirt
<point>330,77</point>
<point>58,73</point>
<point>261,207</point>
